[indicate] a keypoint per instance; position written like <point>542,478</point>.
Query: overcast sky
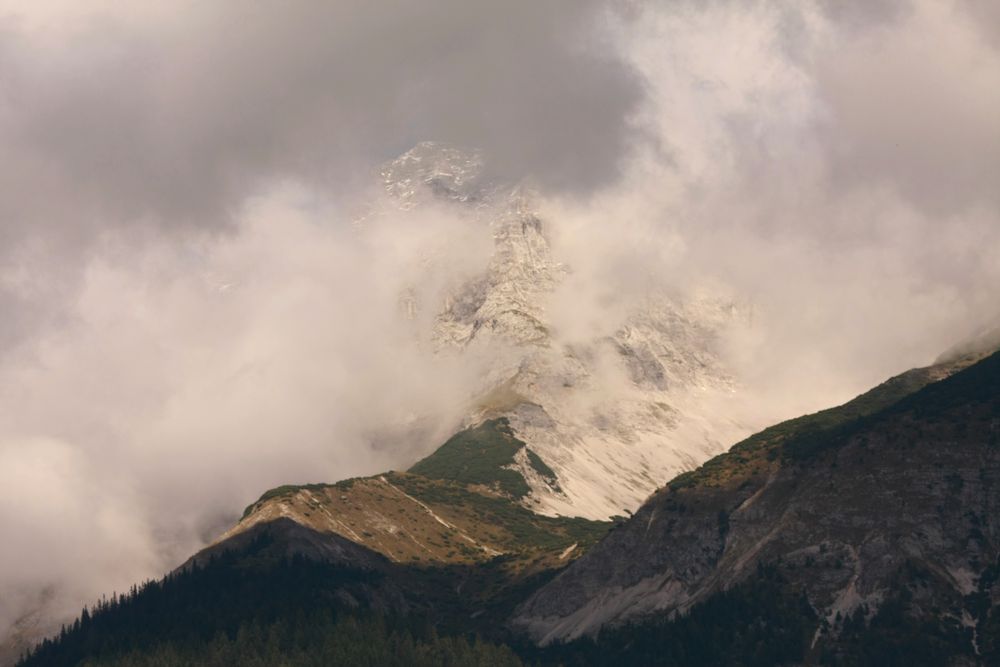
<point>188,317</point>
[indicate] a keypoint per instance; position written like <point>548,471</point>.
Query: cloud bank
<point>832,163</point>
<point>189,315</point>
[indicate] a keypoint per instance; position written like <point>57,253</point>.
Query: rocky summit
<point>612,417</point>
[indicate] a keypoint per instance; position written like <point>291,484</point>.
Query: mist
<point>192,312</point>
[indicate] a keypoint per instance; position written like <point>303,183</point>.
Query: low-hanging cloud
<point>143,121</point>
<point>186,379</point>
<point>832,165</point>
<point>191,314</point>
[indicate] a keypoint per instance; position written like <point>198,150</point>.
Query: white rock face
<point>614,417</point>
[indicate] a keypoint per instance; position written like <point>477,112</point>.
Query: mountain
<point>862,534</point>
<point>881,516</point>
<point>610,417</point>
<point>597,423</point>
<point>537,447</point>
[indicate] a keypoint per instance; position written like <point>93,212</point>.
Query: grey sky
<point>110,117</point>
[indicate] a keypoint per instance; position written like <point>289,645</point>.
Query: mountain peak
<point>612,415</point>
<point>442,170</point>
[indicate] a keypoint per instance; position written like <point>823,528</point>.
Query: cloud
<point>177,260</point>
<point>51,498</point>
<point>187,378</point>
<point>823,162</point>
<point>913,110</point>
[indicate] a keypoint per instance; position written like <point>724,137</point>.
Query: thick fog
<point>191,314</point>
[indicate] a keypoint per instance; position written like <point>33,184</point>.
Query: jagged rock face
<point>854,504</point>
<point>613,417</point>
<point>445,171</point>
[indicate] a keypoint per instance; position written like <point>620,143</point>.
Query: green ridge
<point>793,437</point>
<point>479,455</point>
<point>527,528</point>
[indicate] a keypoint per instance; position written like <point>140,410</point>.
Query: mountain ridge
<point>862,534</point>
<point>845,508</point>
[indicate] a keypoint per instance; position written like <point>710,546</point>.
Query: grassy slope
<point>761,453</point>
<point>483,455</point>
<point>457,506</point>
<point>417,520</point>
